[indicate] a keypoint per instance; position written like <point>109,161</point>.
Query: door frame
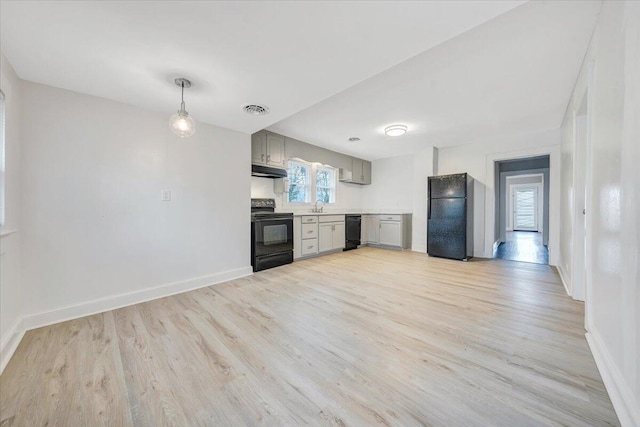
<point>554,153</point>
<point>541,206</point>
<point>584,290</point>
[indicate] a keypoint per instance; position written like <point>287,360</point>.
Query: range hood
<point>268,172</point>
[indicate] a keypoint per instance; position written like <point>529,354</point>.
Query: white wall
<point>11,298</point>
<point>95,232</point>
<point>399,184</point>
<point>391,185</point>
<point>424,166</point>
<point>474,159</point>
<point>613,205</point>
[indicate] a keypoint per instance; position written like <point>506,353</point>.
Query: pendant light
<point>181,123</point>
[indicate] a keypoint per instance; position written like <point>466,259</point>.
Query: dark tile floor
<point>523,246</point>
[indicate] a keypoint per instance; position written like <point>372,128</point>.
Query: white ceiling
<point>512,75</point>
<point>453,71</point>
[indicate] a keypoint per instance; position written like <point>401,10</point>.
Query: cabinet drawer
<point>309,219</point>
<point>332,218</point>
<point>309,231</point>
<point>309,246</point>
<point>390,217</point>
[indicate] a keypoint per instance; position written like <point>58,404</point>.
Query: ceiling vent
<point>255,109</point>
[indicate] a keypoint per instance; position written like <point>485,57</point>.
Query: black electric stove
<point>271,235</point>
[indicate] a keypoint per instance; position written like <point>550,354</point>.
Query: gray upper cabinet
<point>259,148</point>
<point>361,171</point>
<point>275,151</point>
<point>366,172</point>
<point>357,170</point>
<point>272,149</point>
<point>268,149</point>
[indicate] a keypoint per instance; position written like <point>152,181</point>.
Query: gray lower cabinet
<point>305,236</point>
<point>388,230</point>
<point>391,233</point>
<point>370,229</point>
<point>331,233</point>
<point>317,234</point>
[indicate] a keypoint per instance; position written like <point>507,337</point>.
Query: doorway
<point>522,210</point>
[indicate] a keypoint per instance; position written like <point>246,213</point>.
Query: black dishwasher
<point>352,231</point>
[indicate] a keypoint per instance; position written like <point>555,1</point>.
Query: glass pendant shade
<point>182,124</point>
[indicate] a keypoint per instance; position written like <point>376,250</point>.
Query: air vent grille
<point>256,109</point>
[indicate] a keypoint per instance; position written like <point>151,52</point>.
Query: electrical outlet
<point>166,196</point>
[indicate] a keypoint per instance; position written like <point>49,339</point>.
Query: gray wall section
<point>540,162</point>
<point>503,201</point>
<point>297,149</point>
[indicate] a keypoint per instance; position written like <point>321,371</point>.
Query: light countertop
<point>376,212</point>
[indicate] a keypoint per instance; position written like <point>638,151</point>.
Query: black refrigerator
<point>450,216</point>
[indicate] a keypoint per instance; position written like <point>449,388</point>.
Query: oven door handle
<point>273,218</point>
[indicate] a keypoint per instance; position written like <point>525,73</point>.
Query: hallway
<point>525,246</point>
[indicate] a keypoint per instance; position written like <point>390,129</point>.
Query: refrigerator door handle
<point>429,198</point>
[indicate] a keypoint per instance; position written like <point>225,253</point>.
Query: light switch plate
<point>166,196</point>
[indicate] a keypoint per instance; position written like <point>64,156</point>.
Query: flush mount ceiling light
<point>395,130</point>
<point>256,109</point>
<point>354,139</point>
<point>181,123</point>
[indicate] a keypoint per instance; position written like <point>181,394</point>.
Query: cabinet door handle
<point>268,157</point>
<point>309,247</point>
<point>262,157</point>
<point>310,231</point>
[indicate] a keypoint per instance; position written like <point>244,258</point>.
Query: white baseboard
<point>12,338</point>
<point>88,308</point>
<point>619,391</point>
<point>9,343</point>
<point>563,276</point>
<point>419,248</point>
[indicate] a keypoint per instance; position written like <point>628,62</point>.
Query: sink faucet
<point>315,208</point>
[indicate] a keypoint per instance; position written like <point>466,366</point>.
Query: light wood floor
<point>362,338</point>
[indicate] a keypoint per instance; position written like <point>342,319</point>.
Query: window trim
<point>313,186</point>
<point>335,183</point>
<point>309,185</point>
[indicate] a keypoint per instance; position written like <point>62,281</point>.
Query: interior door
<point>525,209</point>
